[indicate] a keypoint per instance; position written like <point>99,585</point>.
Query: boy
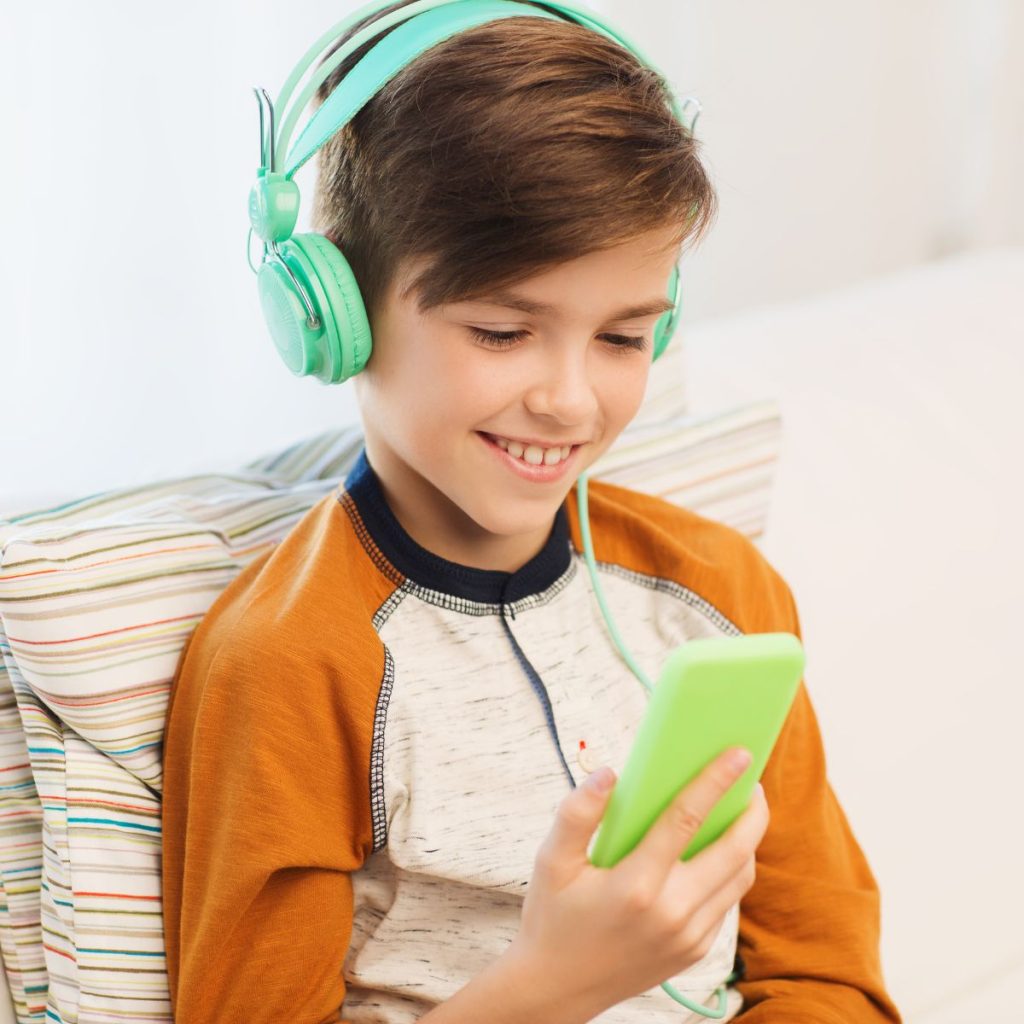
<point>372,799</point>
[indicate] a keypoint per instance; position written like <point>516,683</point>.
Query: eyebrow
<point>512,300</point>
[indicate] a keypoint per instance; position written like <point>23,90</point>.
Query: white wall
<point>845,140</point>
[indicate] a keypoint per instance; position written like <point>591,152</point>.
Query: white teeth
<point>532,453</point>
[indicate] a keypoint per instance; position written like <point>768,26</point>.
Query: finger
<point>709,915</point>
<point>718,865</point>
<point>577,818</point>
<point>671,833</point>
<point>736,843</point>
<point>702,930</point>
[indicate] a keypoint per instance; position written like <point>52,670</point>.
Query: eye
<point>506,339</point>
<point>499,339</point>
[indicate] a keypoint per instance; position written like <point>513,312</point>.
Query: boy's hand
<point>596,936</point>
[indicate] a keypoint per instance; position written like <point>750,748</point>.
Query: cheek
<point>624,391</point>
<point>444,388</point>
<point>469,384</point>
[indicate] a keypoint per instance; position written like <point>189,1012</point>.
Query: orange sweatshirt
<point>366,744</point>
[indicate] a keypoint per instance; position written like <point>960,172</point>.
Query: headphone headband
<point>384,60</point>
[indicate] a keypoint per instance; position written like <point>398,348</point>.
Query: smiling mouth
<point>532,454</point>
<point>515,452</point>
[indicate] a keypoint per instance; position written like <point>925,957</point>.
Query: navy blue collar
<point>489,586</point>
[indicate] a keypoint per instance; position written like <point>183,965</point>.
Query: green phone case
<point>713,693</point>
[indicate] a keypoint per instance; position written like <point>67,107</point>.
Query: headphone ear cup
<point>348,319</point>
<point>666,325</point>
<point>340,346</point>
<point>304,349</point>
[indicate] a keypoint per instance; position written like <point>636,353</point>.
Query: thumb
<point>578,816</point>
<point>601,781</point>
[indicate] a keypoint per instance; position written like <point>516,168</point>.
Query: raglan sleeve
<point>810,924</point>
<point>265,818</point>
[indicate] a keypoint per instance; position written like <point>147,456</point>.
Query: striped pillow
<point>97,599</point>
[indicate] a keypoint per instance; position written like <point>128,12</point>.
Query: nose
<point>563,388</point>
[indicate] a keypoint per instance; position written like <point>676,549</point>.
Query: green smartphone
<point>713,693</point>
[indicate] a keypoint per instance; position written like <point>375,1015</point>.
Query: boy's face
<point>455,423</point>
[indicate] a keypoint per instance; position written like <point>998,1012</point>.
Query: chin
<point>517,521</point>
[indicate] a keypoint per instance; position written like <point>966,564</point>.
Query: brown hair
<point>501,151</point>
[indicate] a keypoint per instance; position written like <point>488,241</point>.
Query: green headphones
<point>308,293</point>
